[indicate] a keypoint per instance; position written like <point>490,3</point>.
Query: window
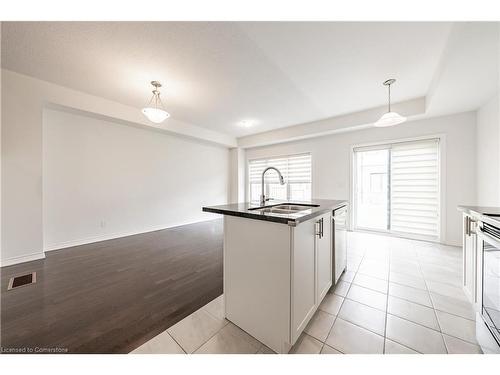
<point>296,170</point>
<point>377,182</point>
<point>396,188</point>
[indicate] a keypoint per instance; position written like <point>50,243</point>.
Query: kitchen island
<point>278,265</point>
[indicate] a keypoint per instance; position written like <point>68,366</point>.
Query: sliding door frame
<point>441,185</point>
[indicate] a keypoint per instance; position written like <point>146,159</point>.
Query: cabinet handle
<point>319,233</point>
<point>469,226</point>
<point>472,226</point>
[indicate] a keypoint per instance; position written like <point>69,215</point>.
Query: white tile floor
<point>398,296</point>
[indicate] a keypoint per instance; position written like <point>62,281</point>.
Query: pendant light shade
<point>154,111</point>
<point>390,118</point>
<point>155,115</point>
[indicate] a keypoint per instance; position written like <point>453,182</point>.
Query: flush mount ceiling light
<point>246,123</point>
<point>390,118</point>
<point>154,110</point>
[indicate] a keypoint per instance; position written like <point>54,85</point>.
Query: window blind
<point>414,188</point>
<point>294,168</point>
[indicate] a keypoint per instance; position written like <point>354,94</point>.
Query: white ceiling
<point>217,74</point>
<point>467,75</point>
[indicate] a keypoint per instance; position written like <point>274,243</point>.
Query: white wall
<point>23,100</point>
<point>488,144</point>
<point>103,180</point>
<point>0,139</point>
<point>488,154</point>
<point>237,175</point>
<point>21,171</point>
<point>331,160</point>
<point>333,125</point>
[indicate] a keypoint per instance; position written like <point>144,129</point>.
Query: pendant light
<point>390,118</point>
<point>154,110</point>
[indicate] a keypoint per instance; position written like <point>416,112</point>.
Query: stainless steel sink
<point>286,208</point>
<point>294,207</point>
<point>278,211</point>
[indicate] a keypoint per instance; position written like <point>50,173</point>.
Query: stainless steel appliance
<point>489,288</point>
<point>339,242</point>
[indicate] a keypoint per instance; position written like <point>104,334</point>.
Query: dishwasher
<point>339,242</point>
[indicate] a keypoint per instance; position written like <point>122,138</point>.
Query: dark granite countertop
<point>490,215</point>
<point>244,210</point>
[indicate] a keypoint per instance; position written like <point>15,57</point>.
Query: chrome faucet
<point>263,198</point>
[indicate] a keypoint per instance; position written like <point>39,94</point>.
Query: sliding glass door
<point>372,189</point>
<point>396,188</point>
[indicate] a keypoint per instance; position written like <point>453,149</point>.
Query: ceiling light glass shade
<point>155,115</point>
<point>154,109</point>
<point>390,119</point>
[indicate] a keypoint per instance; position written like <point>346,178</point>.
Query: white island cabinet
<point>276,275</point>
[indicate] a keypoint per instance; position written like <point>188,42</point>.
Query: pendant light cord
<point>156,96</point>
<point>389,97</point>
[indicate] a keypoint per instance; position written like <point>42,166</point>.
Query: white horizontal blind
<point>414,188</point>
<point>296,170</point>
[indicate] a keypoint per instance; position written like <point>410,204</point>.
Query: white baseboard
<point>21,259</point>
<point>110,236</point>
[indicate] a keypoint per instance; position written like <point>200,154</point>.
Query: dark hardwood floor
<point>112,296</point>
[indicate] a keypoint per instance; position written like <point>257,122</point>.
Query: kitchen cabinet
<point>312,269</point>
<point>303,277</point>
<point>324,255</point>
<point>469,258</point>
<point>481,226</point>
<point>276,276</point>
<point>339,243</point>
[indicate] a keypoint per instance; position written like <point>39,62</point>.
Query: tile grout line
<point>342,304</point>
<point>226,322</point>
<point>406,346</point>
<point>220,329</point>
<point>407,320</point>
<point>180,346</point>
<point>360,326</point>
<point>433,308</point>
<point>387,304</point>
<point>387,295</point>
<point>314,338</point>
<point>430,298</point>
<point>387,313</point>
<point>343,301</point>
<point>386,316</point>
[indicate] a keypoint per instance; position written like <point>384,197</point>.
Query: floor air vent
<point>22,280</point>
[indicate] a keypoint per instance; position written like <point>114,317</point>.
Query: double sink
<point>284,208</point>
